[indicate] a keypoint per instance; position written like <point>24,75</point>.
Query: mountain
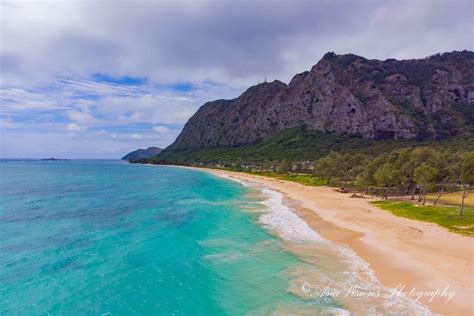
<point>142,153</point>
<point>418,99</point>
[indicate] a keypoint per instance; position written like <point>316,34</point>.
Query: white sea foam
<point>279,218</point>
<point>341,312</point>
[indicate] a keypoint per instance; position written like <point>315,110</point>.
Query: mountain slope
<point>425,99</point>
<point>301,144</point>
<point>142,153</point>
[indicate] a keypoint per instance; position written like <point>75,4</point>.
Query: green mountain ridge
<point>301,144</point>
<point>138,154</point>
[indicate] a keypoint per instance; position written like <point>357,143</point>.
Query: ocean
<point>112,238</point>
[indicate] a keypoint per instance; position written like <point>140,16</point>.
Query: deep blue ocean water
<point>107,237</point>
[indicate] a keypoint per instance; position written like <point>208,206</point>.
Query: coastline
<point>401,251</point>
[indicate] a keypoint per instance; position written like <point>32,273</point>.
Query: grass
<point>452,198</point>
<point>446,216</point>
<point>306,179</point>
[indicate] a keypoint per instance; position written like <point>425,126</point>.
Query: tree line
<point>408,171</point>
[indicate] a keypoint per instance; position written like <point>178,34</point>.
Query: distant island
<point>150,152</point>
<point>53,159</point>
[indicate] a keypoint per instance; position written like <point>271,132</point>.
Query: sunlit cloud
<point>73,127</point>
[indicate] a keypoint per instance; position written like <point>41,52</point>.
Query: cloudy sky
<point>96,79</point>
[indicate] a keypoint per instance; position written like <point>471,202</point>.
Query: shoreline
<point>400,251</point>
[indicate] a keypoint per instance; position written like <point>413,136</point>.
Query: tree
<point>367,176</point>
<point>284,166</point>
<point>237,166</point>
<point>467,177</point>
<point>388,176</point>
<point>425,175</point>
<point>356,166</point>
<point>340,168</point>
<point>267,165</point>
<point>440,193</point>
<point>324,167</point>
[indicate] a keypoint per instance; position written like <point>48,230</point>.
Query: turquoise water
<point>107,237</point>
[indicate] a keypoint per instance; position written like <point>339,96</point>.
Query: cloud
<point>73,127</point>
<point>81,117</point>
<point>136,136</point>
<point>160,129</point>
<point>122,75</point>
<point>48,140</point>
<point>228,41</point>
<point>123,116</point>
<point>18,99</point>
<point>83,87</point>
<point>148,108</point>
<point>5,124</point>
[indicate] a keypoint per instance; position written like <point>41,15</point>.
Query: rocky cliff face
<point>429,98</point>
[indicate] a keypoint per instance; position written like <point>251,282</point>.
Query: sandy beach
<point>400,251</point>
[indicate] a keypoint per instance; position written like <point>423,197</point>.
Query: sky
<point>97,79</point>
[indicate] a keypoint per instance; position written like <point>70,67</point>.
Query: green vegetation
<point>306,179</point>
<point>301,144</point>
<point>446,216</point>
<point>405,171</point>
